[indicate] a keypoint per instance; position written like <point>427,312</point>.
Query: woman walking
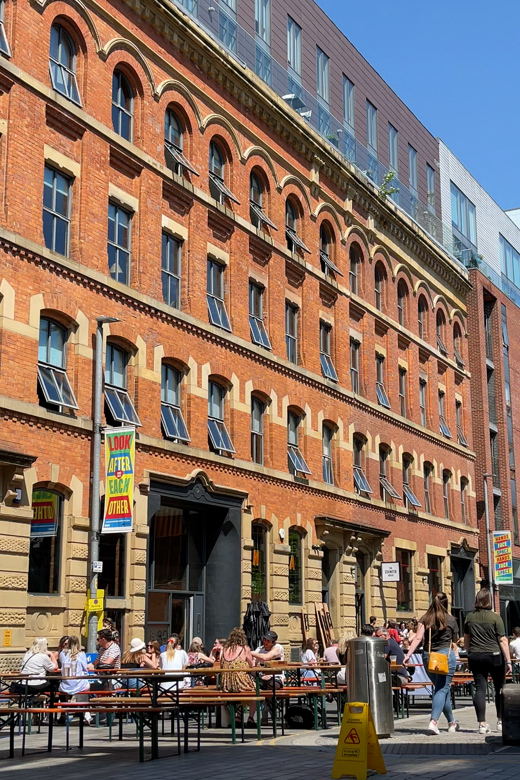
<point>488,654</point>
<point>437,630</point>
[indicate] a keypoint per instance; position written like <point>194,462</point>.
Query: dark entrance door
<point>194,571</point>
<point>462,584</point>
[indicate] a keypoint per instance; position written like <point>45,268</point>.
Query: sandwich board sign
<point>358,747</point>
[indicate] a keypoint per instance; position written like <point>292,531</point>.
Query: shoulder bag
<point>437,662</point>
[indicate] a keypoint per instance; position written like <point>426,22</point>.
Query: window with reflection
<point>295,567</point>
<point>122,105</point>
<point>259,563</point>
<point>45,542</point>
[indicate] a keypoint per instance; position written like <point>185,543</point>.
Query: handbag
<point>437,662</point>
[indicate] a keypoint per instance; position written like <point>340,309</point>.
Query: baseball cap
<point>271,636</point>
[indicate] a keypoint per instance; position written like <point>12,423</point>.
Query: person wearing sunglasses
<point>153,651</point>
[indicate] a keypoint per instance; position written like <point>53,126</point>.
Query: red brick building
<point>292,345</point>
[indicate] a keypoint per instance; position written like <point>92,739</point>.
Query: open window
<point>441,327</point>
<point>256,203</point>
<point>361,484</point>
<point>410,498</point>
<point>294,242</point>
<point>173,145</point>
<point>62,63</point>
<point>326,245</point>
<point>297,463</point>
<point>172,420</point>
<point>386,487</point>
<point>122,105</point>
<point>327,366</point>
<point>53,381</point>
<point>220,440</point>
<point>118,403</point>
<point>217,172</point>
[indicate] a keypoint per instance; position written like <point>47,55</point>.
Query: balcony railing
<point>220,23</point>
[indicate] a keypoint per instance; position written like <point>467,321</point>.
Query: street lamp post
<point>96,461</point>
<point>488,538</point>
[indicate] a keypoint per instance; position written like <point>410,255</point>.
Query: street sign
<point>390,572</point>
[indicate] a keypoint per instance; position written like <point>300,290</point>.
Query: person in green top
<point>488,654</point>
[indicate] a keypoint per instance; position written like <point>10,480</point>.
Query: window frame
<point>171,268</point>
<point>379,280</point>
<point>68,71</point>
<point>291,338</point>
<point>413,181</point>
<point>387,490</point>
<point>327,266</point>
<point>354,349</point>
<point>327,438</point>
<point>327,365</point>
<point>296,537</point>
<point>409,497</point>
<point>173,148</point>
<point>119,393</point>
<point>257,215</point>
<point>443,425</point>
<point>296,462</point>
<point>459,416</point>
<point>174,426</point>
<point>403,395</point>
<point>263,21</point>
<point>51,376</point>
<point>371,128</point>
<point>402,294</point>
<point>217,186</point>
<point>55,558</point>
<point>440,325</point>
<point>294,242</point>
<point>430,188</point>
<point>118,109</point>
<point>257,434</point>
<point>294,46</point>
<point>55,216</point>
<point>393,148</point>
<point>322,75</point>
<point>431,561</point>
<point>259,531</point>
<point>256,315</point>
<point>361,484</point>
<point>463,496</point>
<point>353,274</point>
<point>446,478</point>
<point>215,291</point>
<point>217,429</point>
<point>349,105</point>
<point>423,407</point>
<point>382,397</point>
<point>119,250</point>
<point>427,474</point>
<point>405,585</point>
<point>4,43</point>
<point>422,311</point>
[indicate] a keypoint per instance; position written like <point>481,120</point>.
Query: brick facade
<point>171,63</point>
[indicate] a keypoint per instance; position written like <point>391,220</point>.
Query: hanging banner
<point>45,513</point>
<point>503,557</point>
<point>119,480</point>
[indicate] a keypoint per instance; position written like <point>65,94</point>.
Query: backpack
<point>299,716</point>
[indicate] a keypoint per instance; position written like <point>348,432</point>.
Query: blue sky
<point>455,64</point>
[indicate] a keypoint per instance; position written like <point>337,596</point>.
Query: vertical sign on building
<point>119,480</point>
<point>45,513</point>
<point>503,557</point>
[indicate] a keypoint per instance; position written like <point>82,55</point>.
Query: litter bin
<point>369,680</point>
<point>511,714</point>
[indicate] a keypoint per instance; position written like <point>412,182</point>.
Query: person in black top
<point>437,631</point>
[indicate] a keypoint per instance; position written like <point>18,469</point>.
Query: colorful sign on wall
<point>45,513</point>
<point>503,557</point>
<point>119,480</point>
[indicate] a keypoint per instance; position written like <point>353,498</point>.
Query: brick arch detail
<point>74,8</point>
<point>256,151</point>
<point>226,128</point>
<point>170,87</point>
<point>135,55</point>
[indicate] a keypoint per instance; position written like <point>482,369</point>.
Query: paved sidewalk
<point>465,755</point>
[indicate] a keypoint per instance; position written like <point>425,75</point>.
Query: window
<point>457,345</point>
<point>327,266</point>
<point>441,324</point>
<point>217,169</point>
<point>57,191</point>
<point>191,6</point>
<point>489,305</point>
<point>112,551</point>
<point>494,453</point>
<point>348,103</point>
<point>259,563</point>
<point>52,376</point>
<point>360,481</point>
<point>227,26</point>
<point>62,61</point>
<point>173,145</point>
<point>410,499</point>
<point>294,46</point>
<point>117,399</point>
<point>379,280</point>
<point>427,473</point>
<point>45,542</point>
<point>460,424</point>
<point>402,391</point>
<point>422,308</point>
<point>291,332</point>
<point>382,397</point>
<point>327,366</point>
<point>510,261</point>
<point>296,460</point>
<point>434,575</point>
<point>322,75</point>
<point>430,187</point>
<point>256,316</point>
<point>219,438</point>
<point>215,295</point>
<point>257,430</point>
<point>353,270</point>
<point>446,476</point>
<point>119,243</point>
<point>442,420</point>
<point>4,46</point>
<point>463,214</point>
<point>412,170</point>
<point>354,365</point>
<point>263,20</point>
<point>402,293</point>
<point>463,500</point>
<point>404,586</point>
<point>372,128</point>
<point>171,270</point>
<point>422,401</point>
<point>291,223</point>
<point>257,215</point>
<point>263,62</point>
<point>327,436</point>
<point>295,567</point>
<point>122,105</point>
<point>393,149</point>
<point>171,416</point>
<point>387,490</point>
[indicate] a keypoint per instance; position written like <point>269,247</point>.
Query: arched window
<point>45,542</point>
<point>297,463</point>
<point>361,485</point>
<point>217,173</point>
<point>62,63</point>
<point>291,228</point>
<point>441,326</point>
<point>259,563</point>
<point>353,270</point>
<point>379,282</point>
<point>327,437</point>
<point>174,144</point>
<point>219,438</point>
<point>53,382</point>
<point>257,430</point>
<point>4,45</point>
<point>422,309</point>
<point>387,490</point>
<point>122,105</point>
<point>295,567</point>
<point>326,244</point>
<point>118,407</point>
<point>257,214</point>
<point>410,499</point>
<point>446,477</point>
<point>402,294</point>
<point>427,475</point>
<point>463,499</point>
<point>457,345</point>
<point>171,415</point>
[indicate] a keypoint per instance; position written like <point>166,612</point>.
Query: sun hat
<point>136,645</point>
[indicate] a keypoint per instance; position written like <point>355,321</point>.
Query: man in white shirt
<point>269,650</point>
<point>515,645</point>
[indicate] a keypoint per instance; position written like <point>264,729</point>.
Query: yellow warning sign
<point>358,747</point>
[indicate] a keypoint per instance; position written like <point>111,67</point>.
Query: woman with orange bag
<point>437,631</point>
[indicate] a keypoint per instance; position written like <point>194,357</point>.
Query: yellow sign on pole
<point>7,637</point>
<point>358,747</point>
<point>95,605</point>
